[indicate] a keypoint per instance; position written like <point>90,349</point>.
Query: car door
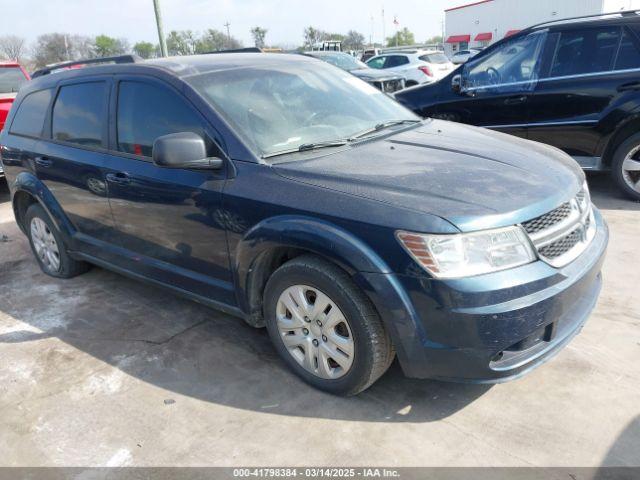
<point>170,221</point>
<point>591,72</point>
<point>496,86</point>
<point>71,156</point>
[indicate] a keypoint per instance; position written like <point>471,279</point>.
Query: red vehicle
<point>12,76</point>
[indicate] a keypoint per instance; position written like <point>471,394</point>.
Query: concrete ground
<point>104,371</point>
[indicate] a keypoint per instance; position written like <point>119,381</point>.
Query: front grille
<point>391,86</point>
<point>548,219</point>
<point>562,234</point>
<point>562,246</point>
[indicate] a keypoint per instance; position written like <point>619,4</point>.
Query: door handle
<point>515,100</point>
<point>44,161</point>
<point>121,178</point>
<point>626,87</point>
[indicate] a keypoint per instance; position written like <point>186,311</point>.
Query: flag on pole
<point>395,21</point>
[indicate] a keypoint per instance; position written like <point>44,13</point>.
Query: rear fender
<point>28,183</point>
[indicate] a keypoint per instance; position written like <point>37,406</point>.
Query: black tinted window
<point>396,61</point>
<point>146,112</point>
<point>29,118</point>
<point>585,51</point>
<point>79,114</point>
<point>628,56</point>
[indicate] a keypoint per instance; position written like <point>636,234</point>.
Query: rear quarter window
<point>29,119</point>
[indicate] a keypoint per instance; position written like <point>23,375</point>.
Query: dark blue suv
<point>291,194</point>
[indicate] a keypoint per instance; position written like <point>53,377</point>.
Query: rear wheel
<point>626,166</point>
<point>48,247</point>
<point>324,327</point>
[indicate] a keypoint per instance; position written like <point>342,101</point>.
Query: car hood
<point>474,178</point>
<point>374,75</point>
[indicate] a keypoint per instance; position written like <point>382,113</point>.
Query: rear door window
<point>11,79</point>
<point>79,114</point>
<point>29,119</point>
<point>585,51</point>
<point>396,61</point>
<point>146,112</point>
<point>628,55</point>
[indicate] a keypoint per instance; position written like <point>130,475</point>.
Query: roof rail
<point>237,50</point>
<point>60,66</point>
<point>622,13</point>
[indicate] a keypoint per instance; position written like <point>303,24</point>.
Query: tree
<point>258,35</point>
<point>402,37</point>
<point>178,43</point>
<point>12,47</point>
<point>106,46</point>
<point>313,36</point>
<point>434,40</point>
<point>353,41</point>
<point>145,49</point>
<point>51,48</point>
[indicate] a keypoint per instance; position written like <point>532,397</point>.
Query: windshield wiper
<point>305,147</point>
<point>382,126</point>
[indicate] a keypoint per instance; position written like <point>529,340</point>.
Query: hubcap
<point>631,169</point>
<point>315,332</point>
<point>45,245</point>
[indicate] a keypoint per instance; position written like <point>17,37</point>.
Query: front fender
<point>28,183</point>
<point>369,271</point>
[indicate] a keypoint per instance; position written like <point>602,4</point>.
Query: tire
<point>627,150</point>
<point>351,325</point>
<point>43,233</point>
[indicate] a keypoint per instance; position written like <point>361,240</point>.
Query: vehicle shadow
<point>4,191</point>
<point>606,196</point>
<point>186,348</point>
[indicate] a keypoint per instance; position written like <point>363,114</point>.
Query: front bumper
<point>489,328</point>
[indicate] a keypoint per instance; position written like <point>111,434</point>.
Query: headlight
<point>467,254</point>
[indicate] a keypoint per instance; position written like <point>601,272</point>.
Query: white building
<point>483,22</point>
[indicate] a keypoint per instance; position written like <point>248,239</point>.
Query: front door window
<point>512,67</point>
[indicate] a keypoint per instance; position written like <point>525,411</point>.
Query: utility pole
<point>228,34</point>
<point>163,41</point>
<point>384,39</point>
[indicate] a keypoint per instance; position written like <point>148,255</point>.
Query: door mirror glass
<point>183,150</point>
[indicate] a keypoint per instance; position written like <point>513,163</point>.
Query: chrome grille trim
<point>561,235</point>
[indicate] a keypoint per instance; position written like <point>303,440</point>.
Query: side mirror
<point>456,83</point>
<point>183,150</point>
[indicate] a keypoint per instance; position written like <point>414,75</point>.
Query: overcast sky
<point>285,19</point>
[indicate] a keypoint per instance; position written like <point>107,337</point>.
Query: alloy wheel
<point>45,245</point>
<point>631,169</point>
<point>315,332</point>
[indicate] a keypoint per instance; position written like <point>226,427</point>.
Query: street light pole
<point>228,32</point>
<point>163,41</point>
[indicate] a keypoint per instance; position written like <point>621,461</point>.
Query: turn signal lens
<point>468,254</point>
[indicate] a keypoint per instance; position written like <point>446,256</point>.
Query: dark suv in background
<point>291,194</point>
<point>573,84</point>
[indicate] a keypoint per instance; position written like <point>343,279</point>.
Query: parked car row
<point>571,84</point>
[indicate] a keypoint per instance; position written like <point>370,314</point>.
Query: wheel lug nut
<point>324,338</point>
<point>307,319</point>
<point>319,323</point>
<point>305,331</point>
<point>315,342</point>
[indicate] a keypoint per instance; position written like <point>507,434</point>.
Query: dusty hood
<point>475,178</point>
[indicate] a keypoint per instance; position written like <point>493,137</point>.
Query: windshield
<point>435,58</point>
<point>278,108</point>
<point>343,61</point>
<point>10,79</point>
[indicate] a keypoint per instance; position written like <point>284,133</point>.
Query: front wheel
<point>626,166</point>
<point>324,327</point>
